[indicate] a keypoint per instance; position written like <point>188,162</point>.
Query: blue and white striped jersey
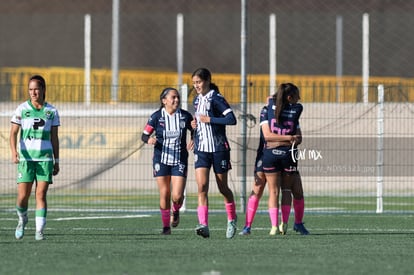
<point>171,134</point>
<point>211,137</point>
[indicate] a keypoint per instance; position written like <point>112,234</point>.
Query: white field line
<point>100,217</point>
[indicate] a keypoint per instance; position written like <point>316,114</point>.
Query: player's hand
<point>56,169</point>
<point>204,119</point>
<point>194,123</point>
<point>190,145</point>
<point>15,158</point>
<point>152,141</point>
<point>297,139</point>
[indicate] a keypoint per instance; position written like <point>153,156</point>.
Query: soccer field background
<point>105,166</point>
<point>97,243</point>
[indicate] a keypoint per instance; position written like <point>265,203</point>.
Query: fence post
<point>380,147</point>
<point>184,105</point>
<point>115,51</point>
<point>365,56</point>
<point>87,59</point>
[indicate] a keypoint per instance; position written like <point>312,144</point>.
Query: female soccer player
<point>273,140</point>
<point>212,149</point>
<point>169,124</point>
<point>283,119</point>
<point>38,154</point>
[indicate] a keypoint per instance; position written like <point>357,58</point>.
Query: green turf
<point>111,244</point>
<point>148,202</point>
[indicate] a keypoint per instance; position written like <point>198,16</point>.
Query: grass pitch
<point>114,243</point>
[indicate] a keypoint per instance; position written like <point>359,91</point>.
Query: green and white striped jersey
<point>35,130</point>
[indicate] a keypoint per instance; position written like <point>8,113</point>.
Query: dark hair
<point>165,92</point>
<point>280,98</point>
<point>205,75</point>
<point>42,83</point>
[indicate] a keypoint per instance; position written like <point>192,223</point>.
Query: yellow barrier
<point>67,85</point>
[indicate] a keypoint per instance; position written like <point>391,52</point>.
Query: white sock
<point>40,223</point>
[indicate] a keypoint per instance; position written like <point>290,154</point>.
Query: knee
<point>298,196</point>
<point>178,199</point>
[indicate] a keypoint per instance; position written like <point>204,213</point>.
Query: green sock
<point>40,219</point>
<point>41,212</point>
<point>21,211</point>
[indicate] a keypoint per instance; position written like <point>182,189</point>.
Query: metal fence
<point>336,51</point>
<point>312,37</point>
<point>105,166</point>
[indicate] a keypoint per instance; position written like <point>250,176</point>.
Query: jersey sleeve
<point>56,118</point>
<point>150,126</point>
<point>299,109</point>
<point>17,116</point>
<point>264,115</point>
<point>221,104</point>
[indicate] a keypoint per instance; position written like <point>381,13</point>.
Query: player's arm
<point>146,135</point>
<point>228,119</point>
<point>191,120</point>
<point>14,130</point>
<point>298,136</point>
<point>54,138</point>
<point>269,136</point>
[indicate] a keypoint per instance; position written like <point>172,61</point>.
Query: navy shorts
<point>160,169</point>
<point>258,164</point>
<point>280,159</point>
<point>219,160</point>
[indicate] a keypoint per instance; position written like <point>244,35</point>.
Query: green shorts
<point>28,171</point>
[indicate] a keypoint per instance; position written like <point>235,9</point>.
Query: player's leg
<point>298,204</point>
<point>230,205</point>
<point>221,166</point>
<point>22,203</point>
<point>164,189</point>
<point>273,181</point>
<point>177,196</point>
<point>41,208</point>
<point>253,201</point>
<point>24,189</point>
<point>202,165</point>
<point>202,175</point>
<point>286,201</point>
<point>44,171</point>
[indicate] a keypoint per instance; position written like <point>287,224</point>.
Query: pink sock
<point>299,207</point>
<point>202,212</point>
<point>274,216</point>
<point>252,206</point>
<point>285,213</point>
<point>176,207</point>
<point>231,211</point>
<point>165,217</point>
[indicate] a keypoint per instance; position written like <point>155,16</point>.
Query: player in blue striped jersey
<point>212,149</point>
<point>38,156</point>
<point>166,130</point>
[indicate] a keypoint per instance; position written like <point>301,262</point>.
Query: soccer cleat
<point>20,228</point>
<point>299,227</point>
<point>39,236</point>
<point>245,231</point>
<point>283,228</point>
<point>166,230</point>
<point>274,231</point>
<point>203,231</point>
<point>175,218</point>
<point>231,228</point>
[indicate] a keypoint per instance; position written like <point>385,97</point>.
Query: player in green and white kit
<point>37,155</point>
